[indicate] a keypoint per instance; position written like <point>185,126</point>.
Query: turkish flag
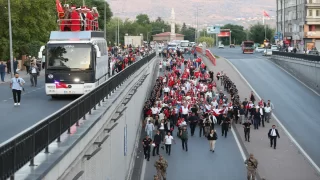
<point>265,14</point>
<point>60,9</point>
<point>61,85</point>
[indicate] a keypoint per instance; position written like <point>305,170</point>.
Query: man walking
<point>16,86</point>
<point>246,127</point>
<point>34,73</point>
<point>161,165</point>
<point>2,71</point>
<point>184,138</point>
<point>168,139</point>
<point>149,128</point>
<point>252,164</point>
<point>193,120</point>
<point>225,125</point>
<point>273,134</point>
<point>157,141</point>
<point>146,142</point>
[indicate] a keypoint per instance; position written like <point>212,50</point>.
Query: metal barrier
<point>298,56</point>
<point>19,150</point>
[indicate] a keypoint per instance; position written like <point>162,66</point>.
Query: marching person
<point>34,73</point>
<point>168,139</point>
<point>225,125</point>
<point>246,128</point>
<point>17,86</point>
<point>149,128</point>
<point>273,134</point>
<point>146,142</point>
<point>212,137</point>
<point>207,125</point>
<point>252,165</point>
<point>184,138</point>
<point>161,166</point>
<point>157,141</point>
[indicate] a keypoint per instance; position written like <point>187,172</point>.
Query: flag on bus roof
<point>265,14</point>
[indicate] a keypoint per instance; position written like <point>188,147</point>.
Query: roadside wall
<point>306,71</point>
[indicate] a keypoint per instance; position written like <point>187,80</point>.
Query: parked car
<point>232,46</point>
<point>221,46</point>
<point>313,53</point>
<point>259,49</point>
<point>267,52</point>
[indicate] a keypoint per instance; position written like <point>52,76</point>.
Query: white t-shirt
<point>168,139</point>
<point>161,126</point>
<point>166,89</point>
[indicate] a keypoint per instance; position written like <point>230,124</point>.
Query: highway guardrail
<point>298,56</point>
<point>22,148</point>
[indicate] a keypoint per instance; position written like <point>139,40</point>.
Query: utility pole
<point>105,20</point>
<point>118,32</point>
<point>10,39</point>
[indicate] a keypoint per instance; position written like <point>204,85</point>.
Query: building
<point>166,37</point>
<point>298,23</point>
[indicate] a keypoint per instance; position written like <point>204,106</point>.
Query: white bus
<point>75,62</point>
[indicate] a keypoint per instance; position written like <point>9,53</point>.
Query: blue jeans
<point>2,74</point>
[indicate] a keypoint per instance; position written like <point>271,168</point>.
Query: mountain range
<point>210,12</point>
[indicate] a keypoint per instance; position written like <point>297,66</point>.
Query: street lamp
<point>10,39</point>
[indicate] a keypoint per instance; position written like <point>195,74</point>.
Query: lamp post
<point>230,38</point>
<point>10,39</point>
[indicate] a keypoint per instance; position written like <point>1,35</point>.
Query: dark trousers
<point>16,95</point>
<point>224,129</point>
<point>43,65</point>
<point>273,141</point>
<point>33,79</point>
<point>201,130</point>
<point>27,69</point>
<point>262,120</point>
<point>247,134</point>
<point>256,123</point>
<point>184,144</point>
<point>192,128</point>
<point>156,148</point>
<point>168,148</point>
<point>146,151</point>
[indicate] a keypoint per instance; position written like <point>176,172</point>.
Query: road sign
<point>213,29</point>
<point>275,37</point>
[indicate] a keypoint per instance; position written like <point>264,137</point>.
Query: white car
<point>221,46</point>
<point>274,48</point>
<point>259,49</point>
<point>267,52</point>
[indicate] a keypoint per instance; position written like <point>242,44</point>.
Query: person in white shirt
<point>273,134</point>
<point>267,111</point>
<point>149,129</point>
<point>155,111</point>
<point>16,86</point>
<point>166,90</point>
<point>214,103</point>
<point>168,139</point>
<point>162,129</point>
<point>34,73</point>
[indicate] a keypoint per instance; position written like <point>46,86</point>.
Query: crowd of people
<point>185,94</point>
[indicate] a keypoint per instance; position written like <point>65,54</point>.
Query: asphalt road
<point>199,162</point>
<point>35,105</point>
<point>296,106</point>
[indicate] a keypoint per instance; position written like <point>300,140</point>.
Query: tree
<point>208,40</point>
<point>142,19</point>
<point>257,33</point>
<point>238,34</point>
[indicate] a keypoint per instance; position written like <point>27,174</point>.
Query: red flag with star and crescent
<point>265,14</point>
<point>60,9</point>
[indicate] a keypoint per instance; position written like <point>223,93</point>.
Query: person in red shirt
<point>75,19</point>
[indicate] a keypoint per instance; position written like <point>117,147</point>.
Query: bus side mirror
<point>40,52</point>
<point>97,50</point>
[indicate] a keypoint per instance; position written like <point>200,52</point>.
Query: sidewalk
<point>284,163</point>
<point>23,75</point>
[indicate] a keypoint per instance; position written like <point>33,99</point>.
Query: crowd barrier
<point>297,56</point>
<point>22,148</point>
<point>208,54</point>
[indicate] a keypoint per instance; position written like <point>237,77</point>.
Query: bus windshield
<point>172,45</point>
<point>69,56</point>
<point>248,44</point>
<point>184,44</point>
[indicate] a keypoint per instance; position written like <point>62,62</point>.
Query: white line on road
<point>239,145</point>
<point>282,126</point>
<point>297,79</point>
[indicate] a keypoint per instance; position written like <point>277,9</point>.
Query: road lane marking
<point>296,78</point>
<point>239,145</point>
<point>282,126</point>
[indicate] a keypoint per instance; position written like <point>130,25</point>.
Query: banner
<point>213,30</point>
<point>224,34</point>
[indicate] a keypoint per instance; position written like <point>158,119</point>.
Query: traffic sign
<point>213,29</point>
<point>275,37</point>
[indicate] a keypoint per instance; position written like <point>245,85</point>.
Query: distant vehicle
<point>247,47</point>
<point>191,44</point>
<point>267,52</point>
<point>232,46</point>
<point>259,49</point>
<point>274,48</point>
<point>221,46</point>
<point>313,53</point>
<point>172,46</point>
<point>184,46</point>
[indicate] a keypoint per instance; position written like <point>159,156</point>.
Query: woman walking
<point>212,137</point>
